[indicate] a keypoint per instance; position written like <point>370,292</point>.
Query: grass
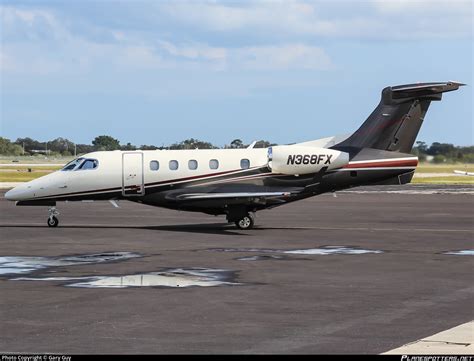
<point>34,160</point>
<point>426,168</point>
<point>443,168</point>
<point>444,180</point>
<point>20,176</point>
<point>34,169</point>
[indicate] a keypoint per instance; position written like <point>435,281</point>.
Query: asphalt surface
<point>296,303</point>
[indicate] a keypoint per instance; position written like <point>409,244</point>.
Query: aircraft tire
<point>246,222</point>
<point>53,221</point>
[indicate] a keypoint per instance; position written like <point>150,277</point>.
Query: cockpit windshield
<point>72,164</point>
<point>81,164</point>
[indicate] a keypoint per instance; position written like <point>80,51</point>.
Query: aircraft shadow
<point>209,228</point>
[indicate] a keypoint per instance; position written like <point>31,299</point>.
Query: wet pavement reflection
<point>466,252</point>
<point>320,251</point>
<point>179,277</point>
<point>11,265</point>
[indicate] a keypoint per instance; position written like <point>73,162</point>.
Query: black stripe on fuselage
<point>158,186</point>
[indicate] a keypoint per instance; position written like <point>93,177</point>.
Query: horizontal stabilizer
<point>434,87</point>
<point>423,89</point>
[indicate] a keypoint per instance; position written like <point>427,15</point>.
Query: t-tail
<point>395,123</point>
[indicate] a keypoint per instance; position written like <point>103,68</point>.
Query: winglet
<point>251,145</point>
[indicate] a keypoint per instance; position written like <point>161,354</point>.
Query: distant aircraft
<point>238,182</point>
<point>462,172</point>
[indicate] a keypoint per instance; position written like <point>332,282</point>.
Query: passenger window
<point>213,164</point>
<point>89,164</point>
<point>192,164</point>
<point>174,164</point>
<point>244,164</point>
<point>154,165</point>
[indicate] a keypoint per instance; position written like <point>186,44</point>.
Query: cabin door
<point>132,174</point>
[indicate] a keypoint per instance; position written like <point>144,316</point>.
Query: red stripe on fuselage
<point>394,163</point>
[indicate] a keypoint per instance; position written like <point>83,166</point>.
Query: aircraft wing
<point>196,196</point>
<point>325,142</point>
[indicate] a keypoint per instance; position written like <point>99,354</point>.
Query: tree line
<point>436,152</point>
<point>65,147</point>
<point>443,152</point>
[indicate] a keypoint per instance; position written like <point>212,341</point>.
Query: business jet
<point>461,172</point>
<point>239,182</point>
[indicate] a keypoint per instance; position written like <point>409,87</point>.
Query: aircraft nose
<point>16,194</point>
<point>10,195</point>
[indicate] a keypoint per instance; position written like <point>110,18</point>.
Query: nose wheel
<point>53,221</point>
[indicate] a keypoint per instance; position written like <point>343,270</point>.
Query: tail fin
<point>394,124</point>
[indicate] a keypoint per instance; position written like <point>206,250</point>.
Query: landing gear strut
<point>52,219</point>
<point>246,222</point>
<point>241,216</point>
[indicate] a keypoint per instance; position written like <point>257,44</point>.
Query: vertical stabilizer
<point>395,123</point>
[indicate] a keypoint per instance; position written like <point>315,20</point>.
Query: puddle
<point>332,250</point>
<point>179,277</point>
<point>22,265</point>
<point>261,258</point>
<point>321,251</point>
<point>466,252</point>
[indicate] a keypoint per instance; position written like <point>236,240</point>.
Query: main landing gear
<point>241,216</point>
<point>53,221</point>
<point>246,222</point>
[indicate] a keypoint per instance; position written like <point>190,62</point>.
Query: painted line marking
<point>458,340</point>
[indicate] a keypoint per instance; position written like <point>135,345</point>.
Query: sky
<point>158,72</point>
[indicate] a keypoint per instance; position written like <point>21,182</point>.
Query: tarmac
<point>364,272</point>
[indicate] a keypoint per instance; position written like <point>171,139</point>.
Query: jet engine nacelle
<point>290,159</point>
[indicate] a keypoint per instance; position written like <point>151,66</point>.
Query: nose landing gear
<point>52,219</point>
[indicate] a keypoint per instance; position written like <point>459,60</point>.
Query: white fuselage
<point>131,172</point>
<point>118,169</point>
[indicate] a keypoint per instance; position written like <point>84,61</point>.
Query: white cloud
<point>47,46</point>
<point>271,57</point>
<point>286,16</point>
<point>289,56</point>
<point>277,35</point>
<point>28,16</point>
<point>380,19</point>
<point>6,64</point>
<point>21,59</point>
<point>423,7</point>
<point>195,51</point>
<point>20,24</point>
